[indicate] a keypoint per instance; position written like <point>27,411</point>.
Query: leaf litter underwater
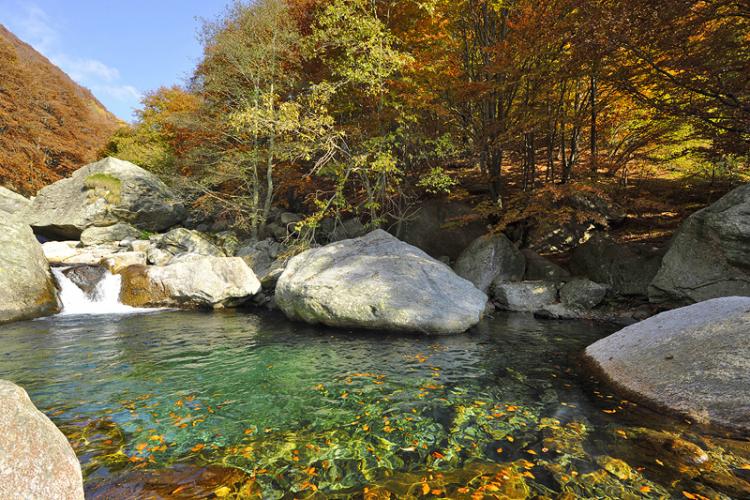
<point>243,405</point>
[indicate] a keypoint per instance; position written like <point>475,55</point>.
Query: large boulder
<point>36,461</point>
<point>693,361</point>
<point>625,270</point>
<point>710,254</point>
<point>193,281</point>
<point>103,194</point>
<point>27,289</point>
<point>263,257</point>
<point>378,282</point>
<point>441,228</point>
<point>12,202</point>
<point>539,268</point>
<point>489,259</point>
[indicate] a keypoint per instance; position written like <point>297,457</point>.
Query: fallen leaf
<point>197,447</point>
<point>222,492</point>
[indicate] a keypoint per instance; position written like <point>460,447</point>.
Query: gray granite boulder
<point>710,254</point>
<point>36,460</point>
<point>190,282</point>
<point>526,296</point>
<point>103,194</point>
<point>582,293</point>
<point>27,288</point>
<point>491,258</point>
<point>539,268</point>
<point>12,202</point>
<point>95,235</point>
<point>693,361</point>
<point>378,282</point>
<point>181,241</point>
<point>626,271</point>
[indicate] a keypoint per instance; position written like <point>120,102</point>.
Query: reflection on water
<point>227,404</point>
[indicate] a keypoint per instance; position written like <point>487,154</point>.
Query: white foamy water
<point>106,298</point>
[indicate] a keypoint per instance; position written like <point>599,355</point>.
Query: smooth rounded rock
<point>36,460</point>
<point>693,361</point>
<point>378,282</point>
<point>491,258</point>
<point>27,288</point>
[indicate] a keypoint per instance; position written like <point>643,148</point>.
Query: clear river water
<point>249,405</point>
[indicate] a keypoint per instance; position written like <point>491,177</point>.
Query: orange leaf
<point>198,447</point>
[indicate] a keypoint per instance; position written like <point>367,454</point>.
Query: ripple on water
<point>230,403</point>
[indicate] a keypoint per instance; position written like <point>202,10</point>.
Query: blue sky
<point>118,49</point>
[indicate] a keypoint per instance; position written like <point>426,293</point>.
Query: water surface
<point>238,404</point>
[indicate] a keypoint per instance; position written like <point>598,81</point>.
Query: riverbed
<point>249,404</point>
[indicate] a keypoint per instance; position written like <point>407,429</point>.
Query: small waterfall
<point>105,300</point>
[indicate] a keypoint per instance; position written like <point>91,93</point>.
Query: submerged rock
<point>195,281</point>
<point>710,255</point>
<point>491,258</point>
<point>103,194</point>
<point>27,289</point>
<point>693,361</point>
<point>378,282</point>
<point>36,461</point>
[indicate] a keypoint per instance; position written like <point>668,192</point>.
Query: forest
<point>367,106</point>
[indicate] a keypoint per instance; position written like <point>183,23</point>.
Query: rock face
<point>12,202</point>
<point>378,282</point>
<point>27,289</point>
<point>491,258</point>
<point>109,234</point>
<point>710,255</point>
<point>36,460</point>
<point>103,194</point>
<point>602,260</point>
<point>196,281</point>
<point>182,241</point>
<point>433,228</point>
<point>693,361</point>
<point>539,268</point>
<point>263,259</point>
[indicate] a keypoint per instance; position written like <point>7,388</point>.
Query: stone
<point>626,271</point>
<point>350,228</point>
<point>140,245</point>
<point>441,228</point>
<point>158,257</point>
<point>183,241</point>
<point>539,268</point>
<point>118,262</point>
<point>228,242</point>
<point>709,256</point>
<point>378,282</point>
<point>582,293</point>
<point>27,288</point>
<point>288,218</point>
<point>262,257</point>
<point>12,202</point>
<point>102,194</point>
<point>95,235</point>
<point>526,296</point>
<point>65,253</point>
<point>191,282</point>
<point>693,362</point>
<point>491,258</point>
<point>86,277</point>
<point>36,459</point>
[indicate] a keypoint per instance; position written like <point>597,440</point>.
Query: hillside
<point>49,125</point>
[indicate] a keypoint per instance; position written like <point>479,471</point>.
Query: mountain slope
<point>49,125</point>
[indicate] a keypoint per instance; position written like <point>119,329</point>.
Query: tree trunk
<point>593,104</point>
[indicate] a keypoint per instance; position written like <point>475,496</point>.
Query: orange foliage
<point>49,126</point>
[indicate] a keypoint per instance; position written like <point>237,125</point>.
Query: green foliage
<point>437,181</point>
<point>106,186</point>
<point>143,146</point>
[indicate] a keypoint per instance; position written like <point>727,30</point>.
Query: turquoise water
<point>239,404</point>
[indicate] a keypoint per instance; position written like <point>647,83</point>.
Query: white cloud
<point>34,26</point>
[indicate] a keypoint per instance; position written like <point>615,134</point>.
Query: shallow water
<point>238,404</point>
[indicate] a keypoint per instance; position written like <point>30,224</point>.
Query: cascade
<point>104,300</point>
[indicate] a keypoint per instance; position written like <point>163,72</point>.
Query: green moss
<point>106,186</point>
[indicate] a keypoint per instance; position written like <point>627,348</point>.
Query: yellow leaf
<point>510,438</point>
<point>745,466</point>
<point>645,489</point>
<point>222,492</point>
<point>425,489</point>
<point>141,446</point>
